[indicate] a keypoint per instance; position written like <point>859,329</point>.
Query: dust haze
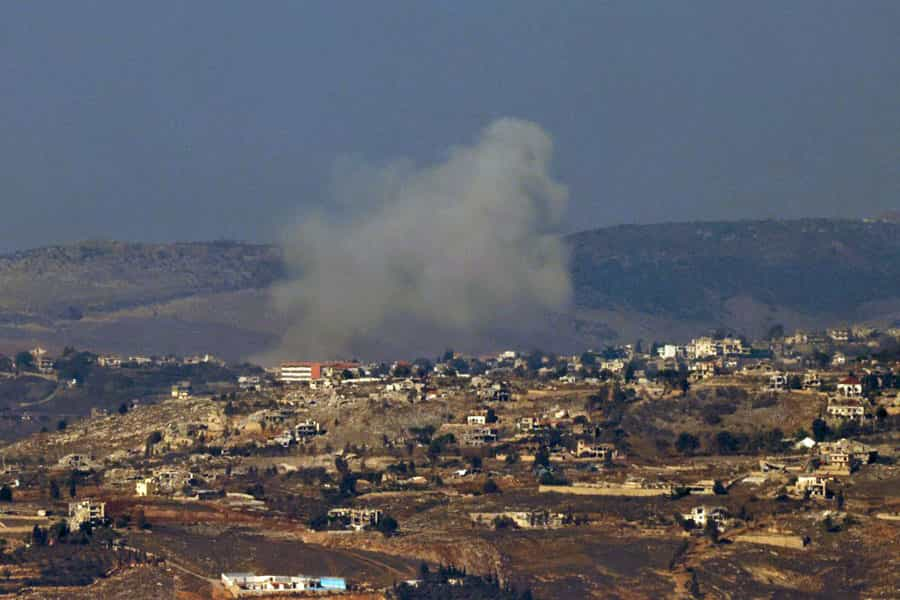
<point>411,259</point>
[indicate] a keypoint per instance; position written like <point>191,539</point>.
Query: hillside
<point>644,281</point>
<point>66,282</point>
<point>742,275</point>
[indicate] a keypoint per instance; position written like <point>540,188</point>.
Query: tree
<point>61,425</point>
<point>140,519</point>
<point>24,361</point>
<point>711,531</point>
<point>820,430</point>
<point>123,520</point>
<point>58,531</point>
<point>687,443</point>
<point>726,443</point>
<point>6,494</point>
<point>387,525</point>
<point>535,360</point>
<point>542,457</point>
<point>347,485</point>
<point>152,439</point>
<point>629,372</point>
<point>402,371</point>
<point>776,332</point>
<point>38,536</point>
<point>123,408</point>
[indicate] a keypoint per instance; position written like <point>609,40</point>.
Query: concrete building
<point>850,387</point>
<point>479,436</point>
<point>249,584</point>
<point>356,518</point>
<point>146,487</point>
<point>306,429</point>
<point>308,371</point>
<point>182,390</point>
<point>846,411</point>
<point>530,424</point>
<point>85,511</point>
<point>701,515</point>
<point>816,486</point>
<point>704,487</point>
<point>601,451</point>
<point>777,382</point>
<point>669,351</point>
<point>299,372</point>
<point>524,519</point>
<point>811,380</point>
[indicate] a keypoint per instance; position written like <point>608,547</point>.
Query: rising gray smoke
<point>412,259</point>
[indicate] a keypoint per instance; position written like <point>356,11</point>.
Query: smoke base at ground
<point>411,259</point>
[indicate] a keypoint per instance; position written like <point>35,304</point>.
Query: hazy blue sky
<point>199,120</point>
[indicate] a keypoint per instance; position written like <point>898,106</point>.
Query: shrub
<point>490,487</point>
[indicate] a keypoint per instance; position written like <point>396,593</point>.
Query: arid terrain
<point>619,473</point>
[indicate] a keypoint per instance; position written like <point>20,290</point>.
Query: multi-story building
<point>307,371</point>
<point>841,410</point>
<point>85,511</point>
<point>356,518</point>
<point>586,449</point>
<point>479,436</point>
<point>850,387</point>
<point>701,515</point>
<point>814,484</point>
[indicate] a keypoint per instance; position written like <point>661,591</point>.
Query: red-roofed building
<point>850,387</point>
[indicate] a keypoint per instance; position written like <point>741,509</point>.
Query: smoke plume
<point>412,259</point>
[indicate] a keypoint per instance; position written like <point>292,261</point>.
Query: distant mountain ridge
<point>665,281</point>
<point>816,267</point>
<point>65,282</point>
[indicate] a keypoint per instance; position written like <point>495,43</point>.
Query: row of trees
<point>726,442</point>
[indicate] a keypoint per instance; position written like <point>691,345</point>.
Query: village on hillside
<point>492,474</point>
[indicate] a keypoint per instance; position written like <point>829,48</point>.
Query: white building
<point>811,380</point>
<point>85,511</point>
<point>476,420</point>
<point>146,487</point>
<point>816,486</point>
<point>596,450</point>
<point>778,382</point>
<point>356,518</point>
<point>701,515</point>
<point>846,411</point>
<point>295,373</point>
<point>850,387</point>
<point>669,351</point>
<point>250,584</point>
